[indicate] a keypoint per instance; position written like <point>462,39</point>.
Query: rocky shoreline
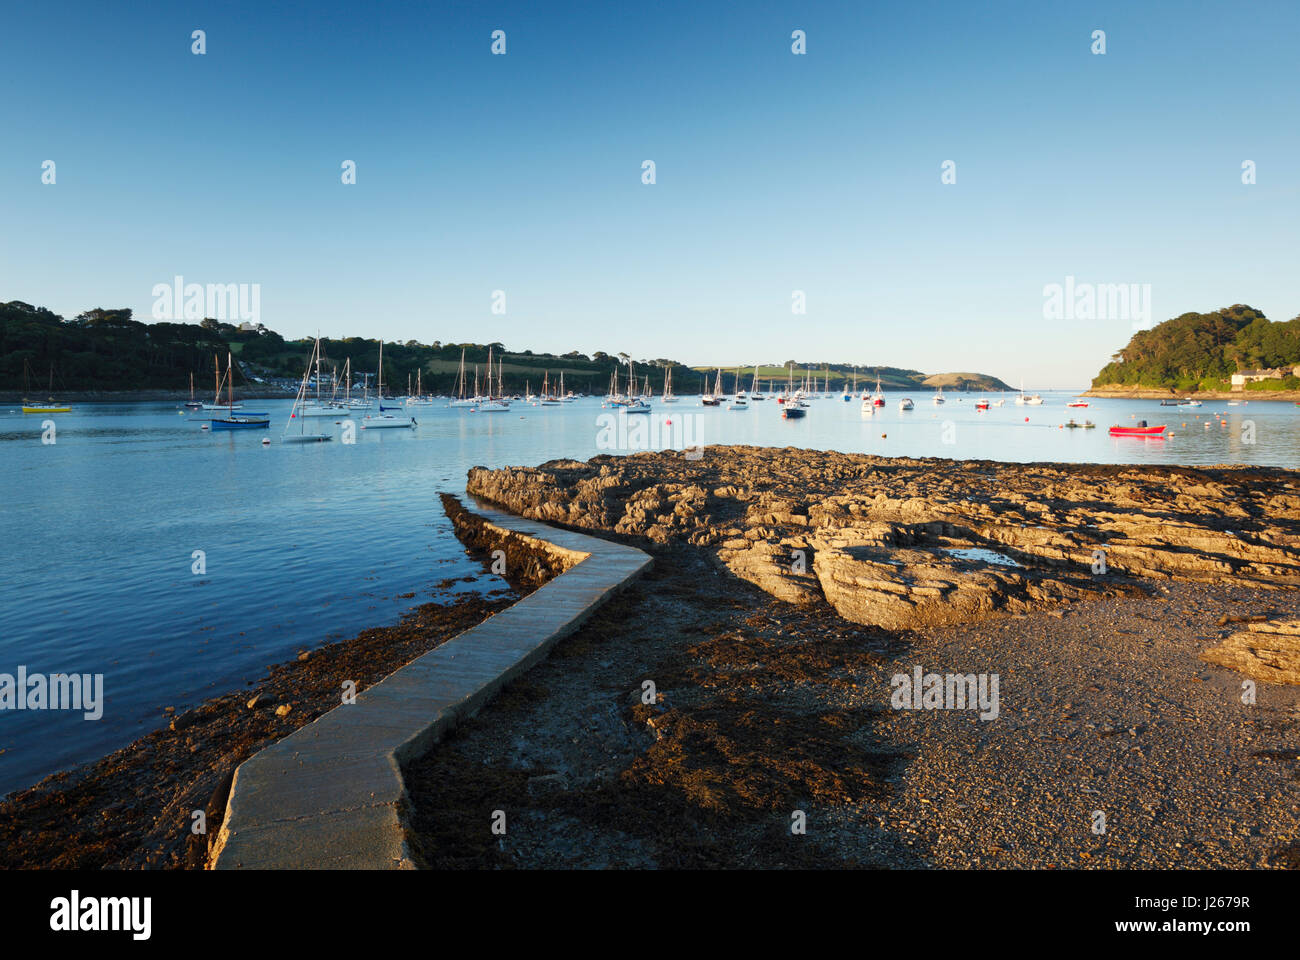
<point>1148,393</point>
<point>900,543</point>
<point>134,809</point>
<point>793,588</point>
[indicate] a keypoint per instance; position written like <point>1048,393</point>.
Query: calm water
<point>309,543</point>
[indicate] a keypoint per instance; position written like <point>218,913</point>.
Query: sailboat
<point>380,391</point>
<point>315,407</point>
<point>191,403</point>
<point>419,400</point>
<point>385,421</point>
<point>635,404</point>
<point>296,411</point>
<point>878,398</point>
<point>563,396</point>
<point>938,397</point>
<point>740,391</point>
<point>548,400</point>
<point>741,402</point>
<point>714,397</point>
<point>462,400</point>
<point>351,402</point>
<point>668,387</point>
<point>216,403</point>
<point>50,405</point>
<point>492,403</point>
<point>753,387</point>
<point>1032,399</point>
<point>232,420</point>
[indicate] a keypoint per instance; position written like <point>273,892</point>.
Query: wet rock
<point>187,719</point>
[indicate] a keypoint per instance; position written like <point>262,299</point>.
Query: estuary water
<point>302,544</point>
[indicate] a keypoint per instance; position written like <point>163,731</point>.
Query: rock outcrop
<point>898,542</point>
<point>1268,651</point>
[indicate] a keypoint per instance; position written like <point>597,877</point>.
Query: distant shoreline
<point>1166,393</point>
<point>139,396</point>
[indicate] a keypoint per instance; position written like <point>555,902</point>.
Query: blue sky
<point>775,172</point>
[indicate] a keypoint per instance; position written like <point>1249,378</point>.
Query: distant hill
<point>966,381</point>
<point>891,378</point>
<point>1201,351</point>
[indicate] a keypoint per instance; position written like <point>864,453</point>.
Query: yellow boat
<point>51,405</point>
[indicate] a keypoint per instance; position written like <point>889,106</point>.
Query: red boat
<point>982,405</point>
<point>1140,430</point>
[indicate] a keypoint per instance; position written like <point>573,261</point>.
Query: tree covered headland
<point>1203,350</point>
<point>105,349</point>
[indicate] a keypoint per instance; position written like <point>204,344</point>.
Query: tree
<point>99,317</point>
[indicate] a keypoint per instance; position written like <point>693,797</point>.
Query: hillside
<point>840,374</point>
<point>1201,351</point>
<point>107,350</point>
<point>100,350</point>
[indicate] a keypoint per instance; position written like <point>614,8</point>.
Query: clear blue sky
<point>775,172</point>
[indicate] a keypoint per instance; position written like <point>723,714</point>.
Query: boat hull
<point>1137,431</point>
<point>387,423</point>
<point>241,423</point>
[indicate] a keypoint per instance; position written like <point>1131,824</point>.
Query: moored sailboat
<point>385,421</point>
<point>233,420</point>
<point>50,405</point>
<point>296,411</point>
<point>668,387</point>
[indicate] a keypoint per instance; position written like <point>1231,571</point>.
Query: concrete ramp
<point>330,795</point>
